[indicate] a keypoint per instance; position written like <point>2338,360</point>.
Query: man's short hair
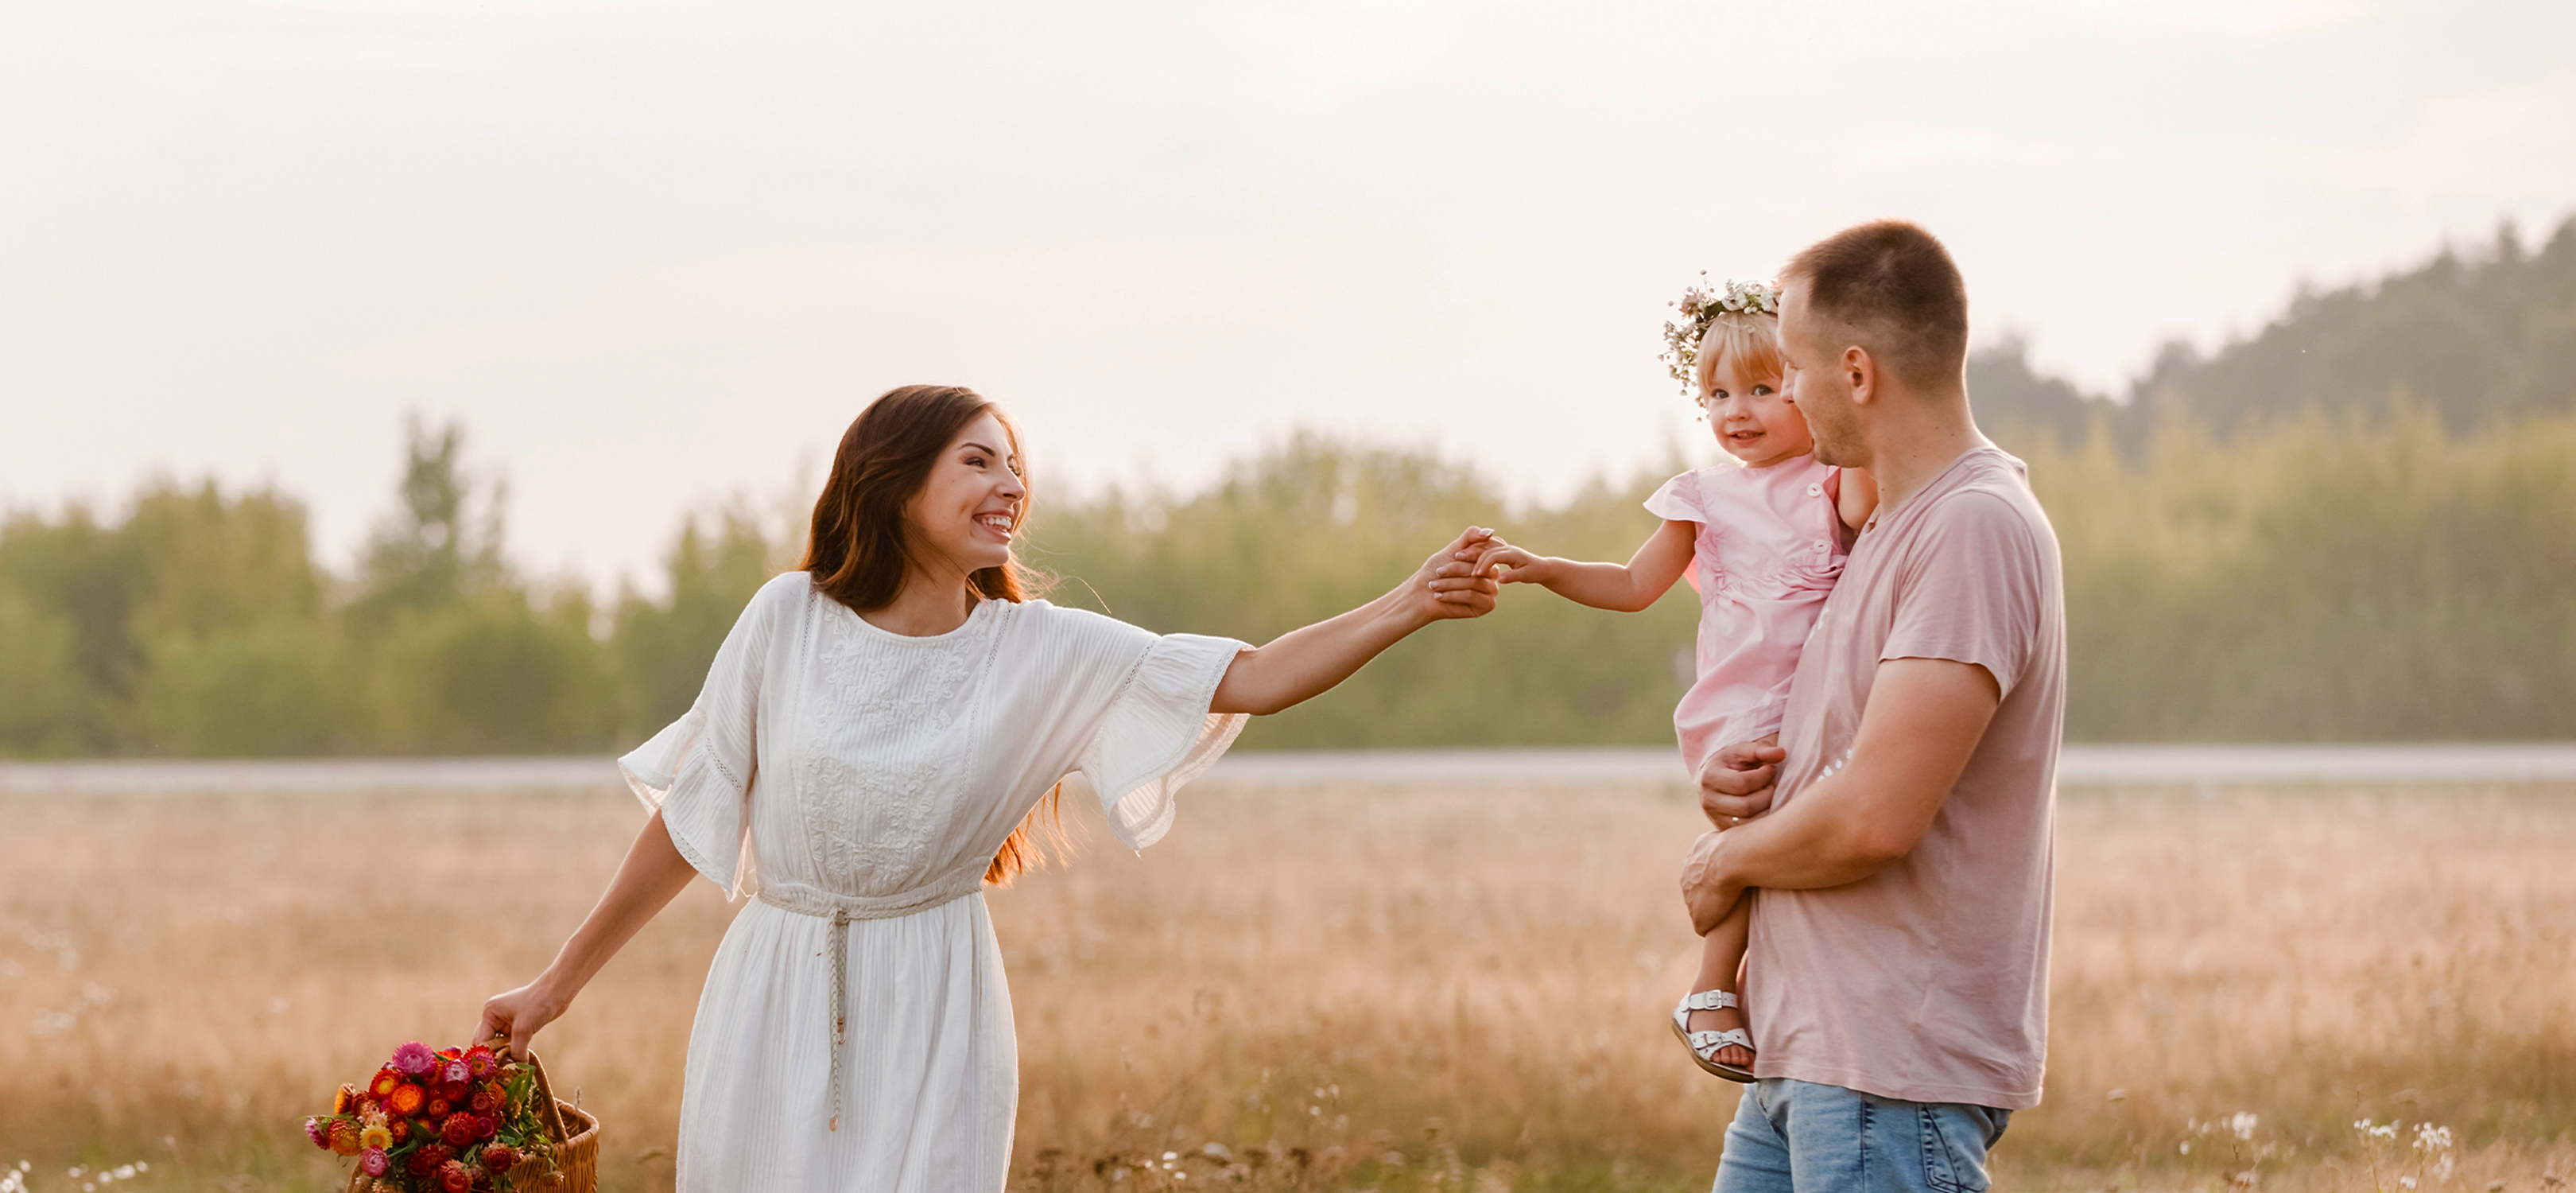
<point>1891,288</point>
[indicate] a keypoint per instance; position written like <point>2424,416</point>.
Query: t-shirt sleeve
<point>1971,590</point>
<point>697,772</point>
<point>1158,734</point>
<point>1678,500</point>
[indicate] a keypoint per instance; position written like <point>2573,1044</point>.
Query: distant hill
<point>2476,338</point>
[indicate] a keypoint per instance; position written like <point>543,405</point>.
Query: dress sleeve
<point>1159,734</point>
<point>1678,500</point>
<point>697,772</point>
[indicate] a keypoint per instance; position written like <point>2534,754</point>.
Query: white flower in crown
<point>1700,306</point>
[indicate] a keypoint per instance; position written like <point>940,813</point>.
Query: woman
<point>872,745</point>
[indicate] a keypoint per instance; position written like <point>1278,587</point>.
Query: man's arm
<point>1922,722</point>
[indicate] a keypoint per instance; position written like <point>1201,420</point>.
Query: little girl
<point>1763,544</point>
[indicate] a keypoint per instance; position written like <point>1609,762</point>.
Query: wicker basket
<point>576,1135</point>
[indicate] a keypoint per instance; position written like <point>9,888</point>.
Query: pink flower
<point>415,1058</point>
<point>480,1061</point>
<point>318,1131</point>
<point>456,1073</point>
<point>373,1162</point>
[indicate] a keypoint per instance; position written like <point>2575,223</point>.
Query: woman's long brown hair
<point>856,554</point>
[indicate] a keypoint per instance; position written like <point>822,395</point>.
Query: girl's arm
<point>1858,498</point>
<point>651,876</point>
<point>1626,588</point>
<point>1306,662</point>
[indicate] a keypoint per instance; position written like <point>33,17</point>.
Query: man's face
<point>1819,382</point>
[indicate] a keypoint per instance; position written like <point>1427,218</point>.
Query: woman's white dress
<point>855,781</point>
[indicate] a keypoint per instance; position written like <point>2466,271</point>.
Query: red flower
<point>482,1102</point>
<point>427,1159</point>
<point>458,1130</point>
<point>455,1178</point>
<point>498,1158</point>
<point>406,1099</point>
<point>486,1126</point>
<point>480,1062</point>
<point>402,1131</point>
<point>437,1109</point>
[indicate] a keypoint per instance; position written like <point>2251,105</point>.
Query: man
<point>1896,981</point>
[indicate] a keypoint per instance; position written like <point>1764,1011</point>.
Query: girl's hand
<point>519,1013</point>
<point>1510,564</point>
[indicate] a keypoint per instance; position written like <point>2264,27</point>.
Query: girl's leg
<point>1721,960</point>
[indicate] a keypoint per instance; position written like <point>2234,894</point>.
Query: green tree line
<point>2357,523</point>
<point>2326,579</point>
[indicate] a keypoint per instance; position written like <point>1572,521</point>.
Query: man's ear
<point>1862,373</point>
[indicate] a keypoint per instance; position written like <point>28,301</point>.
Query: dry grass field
<point>1344,987</point>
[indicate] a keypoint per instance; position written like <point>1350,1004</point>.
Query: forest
<point>2358,523</point>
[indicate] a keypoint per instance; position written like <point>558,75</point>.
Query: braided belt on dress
<point>841,909</point>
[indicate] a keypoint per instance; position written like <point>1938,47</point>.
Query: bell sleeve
<point>697,772</point>
<point>1158,734</point>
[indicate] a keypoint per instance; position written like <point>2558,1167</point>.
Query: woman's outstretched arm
<point>651,876</point>
<point>1307,662</point>
<point>1625,588</point>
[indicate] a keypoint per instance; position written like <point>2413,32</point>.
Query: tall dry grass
<point>1427,986</point>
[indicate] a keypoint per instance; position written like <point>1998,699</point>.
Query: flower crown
<point>1700,306</point>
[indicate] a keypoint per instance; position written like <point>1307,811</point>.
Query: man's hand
<point>1736,785</point>
<point>1705,890</point>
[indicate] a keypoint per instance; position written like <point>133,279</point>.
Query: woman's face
<point>1753,420</point>
<point>966,511</point>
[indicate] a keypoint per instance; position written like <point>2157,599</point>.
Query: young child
<point>1763,544</point>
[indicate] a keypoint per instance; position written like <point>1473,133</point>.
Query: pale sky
<point>656,255</point>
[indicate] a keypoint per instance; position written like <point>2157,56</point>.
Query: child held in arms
<point>1762,540</point>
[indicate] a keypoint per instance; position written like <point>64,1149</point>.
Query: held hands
<point>1449,585</point>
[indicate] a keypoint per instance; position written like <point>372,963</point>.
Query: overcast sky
<point>655,255</point>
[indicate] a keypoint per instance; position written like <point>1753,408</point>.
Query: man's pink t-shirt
<point>1928,981</point>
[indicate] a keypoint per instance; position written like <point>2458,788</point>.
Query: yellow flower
<point>375,1137</point>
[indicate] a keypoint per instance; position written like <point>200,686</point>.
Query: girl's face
<point>970,505</point>
<point>1753,420</point>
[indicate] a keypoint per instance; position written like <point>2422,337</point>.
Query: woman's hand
<point>1448,585</point>
<point>519,1013</point>
<point>650,877</point>
<point>1304,663</point>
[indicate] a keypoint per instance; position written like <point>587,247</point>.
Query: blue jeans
<point>1797,1135</point>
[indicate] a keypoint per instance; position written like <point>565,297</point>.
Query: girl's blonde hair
<point>1751,338</point>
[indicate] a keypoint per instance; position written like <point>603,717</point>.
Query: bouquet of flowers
<point>454,1120</point>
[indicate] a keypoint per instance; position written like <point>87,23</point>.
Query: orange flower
<point>344,1137</point>
<point>383,1086</point>
<point>406,1099</point>
<point>346,1100</point>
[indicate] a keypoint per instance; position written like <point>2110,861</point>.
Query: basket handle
<point>551,1113</point>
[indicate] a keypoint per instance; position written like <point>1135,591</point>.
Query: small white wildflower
<point>2243,1125</point>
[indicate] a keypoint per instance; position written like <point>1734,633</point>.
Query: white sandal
<point>1704,1045</point>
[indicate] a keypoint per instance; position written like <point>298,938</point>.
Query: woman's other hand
<point>518,1014</point>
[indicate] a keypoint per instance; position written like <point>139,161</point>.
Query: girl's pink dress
<point>1769,546</point>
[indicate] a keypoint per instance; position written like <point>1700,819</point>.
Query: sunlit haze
<point>654,256</point>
